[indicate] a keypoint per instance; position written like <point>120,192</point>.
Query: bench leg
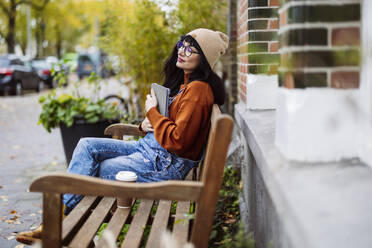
<point>52,220</point>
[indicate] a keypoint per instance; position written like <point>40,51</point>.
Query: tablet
<point>162,95</point>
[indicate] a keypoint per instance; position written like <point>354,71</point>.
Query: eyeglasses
<point>187,49</point>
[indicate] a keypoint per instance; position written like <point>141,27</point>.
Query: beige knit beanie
<point>213,43</point>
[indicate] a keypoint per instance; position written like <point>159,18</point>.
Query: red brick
<point>243,88</point>
<point>345,79</point>
<point>274,3</point>
<point>283,59</point>
<point>283,19</point>
<point>273,47</point>
<point>345,37</point>
<point>289,81</point>
<point>274,24</point>
<point>242,78</point>
<point>243,97</point>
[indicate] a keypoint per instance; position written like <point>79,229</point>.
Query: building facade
<point>304,114</point>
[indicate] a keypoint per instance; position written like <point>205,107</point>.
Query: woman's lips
<point>180,60</point>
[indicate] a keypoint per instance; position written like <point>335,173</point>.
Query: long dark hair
<point>203,72</point>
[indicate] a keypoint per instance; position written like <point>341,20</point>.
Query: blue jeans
<point>104,158</point>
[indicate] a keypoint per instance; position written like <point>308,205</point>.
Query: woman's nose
<point>181,51</point>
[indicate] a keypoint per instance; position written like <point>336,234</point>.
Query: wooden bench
<point>163,205</point>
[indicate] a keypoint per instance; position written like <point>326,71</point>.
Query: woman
<point>173,145</point>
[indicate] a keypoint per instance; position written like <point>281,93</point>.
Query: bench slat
<point>181,223</point>
<point>160,224</point>
<point>52,207</point>
<point>77,215</point>
<point>134,234</point>
<point>87,232</point>
<point>115,225</point>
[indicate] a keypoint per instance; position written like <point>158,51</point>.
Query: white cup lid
<point>126,176</point>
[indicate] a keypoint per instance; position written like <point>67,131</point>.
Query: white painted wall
<point>262,91</point>
<point>317,124</point>
<point>365,139</point>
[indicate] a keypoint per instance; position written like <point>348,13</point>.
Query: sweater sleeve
<point>180,134</point>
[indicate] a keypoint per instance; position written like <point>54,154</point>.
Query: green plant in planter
<point>68,108</point>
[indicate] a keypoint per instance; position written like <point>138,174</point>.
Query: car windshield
<point>84,59</point>
<point>4,62</point>
<point>40,64</point>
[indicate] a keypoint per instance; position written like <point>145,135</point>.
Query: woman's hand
<point>146,125</point>
<point>151,101</point>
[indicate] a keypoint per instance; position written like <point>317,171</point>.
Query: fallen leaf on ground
<point>4,198</point>
<point>13,212</point>
<point>14,218</point>
<point>16,147</point>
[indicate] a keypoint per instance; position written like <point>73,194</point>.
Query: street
<point>27,151</point>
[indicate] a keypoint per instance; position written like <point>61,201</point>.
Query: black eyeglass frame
<point>187,52</point>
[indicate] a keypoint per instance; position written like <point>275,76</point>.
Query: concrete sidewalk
<point>27,151</point>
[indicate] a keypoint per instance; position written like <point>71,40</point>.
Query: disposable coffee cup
<point>125,176</point>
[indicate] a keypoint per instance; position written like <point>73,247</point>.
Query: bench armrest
<point>59,183</point>
<point>119,129</point>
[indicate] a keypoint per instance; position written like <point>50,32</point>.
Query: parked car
<point>92,62</point>
<point>85,66</point>
<point>43,69</point>
<point>51,59</point>
<point>17,74</point>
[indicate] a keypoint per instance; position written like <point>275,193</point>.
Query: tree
<point>139,33</point>
<point>9,8</point>
<point>191,14</point>
<point>60,26</point>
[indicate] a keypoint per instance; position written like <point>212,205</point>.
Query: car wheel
<point>41,86</point>
<point>18,89</point>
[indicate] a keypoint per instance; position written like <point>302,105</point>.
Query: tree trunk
<point>42,37</point>
<point>38,42</point>
<point>10,40</point>
<point>58,43</point>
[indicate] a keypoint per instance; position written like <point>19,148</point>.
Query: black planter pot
<point>71,135</point>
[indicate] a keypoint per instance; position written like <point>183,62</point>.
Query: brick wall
<point>232,70</point>
<point>258,25</point>
<point>319,43</point>
<point>242,54</point>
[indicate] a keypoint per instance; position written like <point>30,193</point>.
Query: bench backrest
<point>211,174</point>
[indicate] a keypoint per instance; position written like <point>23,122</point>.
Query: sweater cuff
<point>153,114</point>
<point>139,127</point>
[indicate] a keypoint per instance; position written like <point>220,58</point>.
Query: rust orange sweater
<point>185,131</point>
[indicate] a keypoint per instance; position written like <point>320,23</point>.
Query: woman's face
<point>188,64</point>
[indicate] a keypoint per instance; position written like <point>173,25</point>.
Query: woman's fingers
<point>146,125</point>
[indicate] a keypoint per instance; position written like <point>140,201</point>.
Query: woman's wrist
<point>140,127</point>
